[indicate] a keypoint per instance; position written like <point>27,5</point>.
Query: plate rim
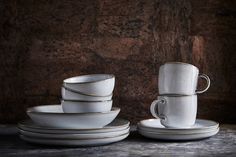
<point>127,130</point>
<point>187,137</point>
<point>181,129</point>
<point>178,133</point>
<point>67,129</point>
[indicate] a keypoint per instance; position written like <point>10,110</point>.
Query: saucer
<point>179,137</point>
<point>74,142</point>
<point>200,126</point>
<point>152,128</point>
<point>116,125</point>
<point>53,116</point>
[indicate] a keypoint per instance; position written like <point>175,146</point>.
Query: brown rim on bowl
<point>110,76</point>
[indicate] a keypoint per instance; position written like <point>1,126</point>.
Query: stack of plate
<point>34,133</point>
<point>84,117</point>
<point>152,128</point>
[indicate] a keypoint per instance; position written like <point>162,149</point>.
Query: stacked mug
<point>88,93</point>
<point>176,105</point>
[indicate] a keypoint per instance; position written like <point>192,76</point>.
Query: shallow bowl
<point>53,116</point>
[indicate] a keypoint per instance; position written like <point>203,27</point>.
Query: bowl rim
<point>110,76</point>
<point>30,110</point>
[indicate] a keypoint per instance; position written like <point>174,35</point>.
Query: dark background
<point>44,42</point>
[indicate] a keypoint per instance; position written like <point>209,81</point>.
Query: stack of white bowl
<point>88,93</point>
<point>84,118</point>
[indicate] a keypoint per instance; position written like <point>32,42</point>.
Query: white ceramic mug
<point>175,111</point>
<point>180,78</point>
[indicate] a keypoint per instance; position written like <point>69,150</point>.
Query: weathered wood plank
<point>42,43</point>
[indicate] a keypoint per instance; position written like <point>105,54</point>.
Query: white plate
<point>180,137</point>
<point>200,126</point>
<point>115,125</point>
<point>74,136</point>
<point>53,116</point>
<point>66,142</point>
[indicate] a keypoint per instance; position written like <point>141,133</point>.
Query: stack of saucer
<point>176,106</point>
<point>84,118</point>
<point>152,128</point>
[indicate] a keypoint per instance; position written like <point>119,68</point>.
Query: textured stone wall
<point>43,42</point>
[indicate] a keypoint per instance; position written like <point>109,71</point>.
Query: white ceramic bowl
<point>86,106</point>
<point>91,85</point>
<point>70,95</point>
<point>53,116</point>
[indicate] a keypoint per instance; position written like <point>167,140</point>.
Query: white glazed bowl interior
<point>86,106</point>
<point>92,85</point>
<point>70,95</point>
<point>53,116</point>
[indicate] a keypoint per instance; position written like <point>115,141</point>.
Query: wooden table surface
<point>222,144</point>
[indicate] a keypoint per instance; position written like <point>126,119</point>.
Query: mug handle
<point>204,76</point>
<point>154,108</point>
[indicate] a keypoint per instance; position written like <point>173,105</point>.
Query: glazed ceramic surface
<point>74,136</point>
<point>53,116</point>
<point>175,111</point>
<point>86,106</point>
<point>69,142</point>
<point>164,136</point>
<point>116,125</point>
<point>91,85</point>
<point>200,126</point>
<point>180,78</point>
<point>70,95</point>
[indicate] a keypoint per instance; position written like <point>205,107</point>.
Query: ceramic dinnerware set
<point>84,118</point>
<point>176,106</point>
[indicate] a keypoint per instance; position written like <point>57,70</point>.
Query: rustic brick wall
<point>44,42</point>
